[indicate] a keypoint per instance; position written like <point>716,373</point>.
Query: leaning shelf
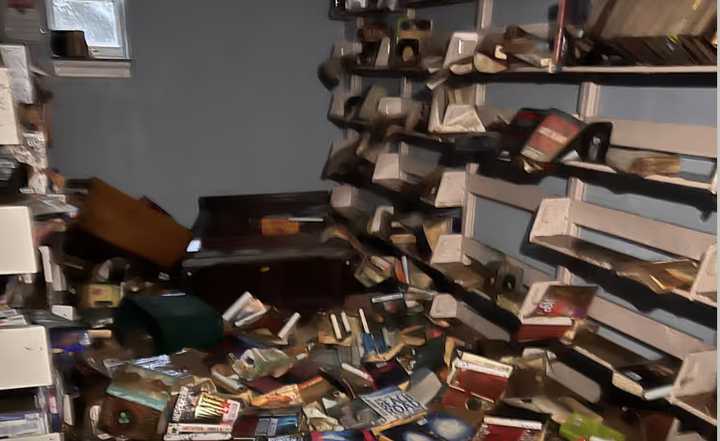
<point>403,6</point>
<point>558,221</point>
<point>415,73</point>
<point>600,74</point>
<point>430,141</point>
<point>679,180</point>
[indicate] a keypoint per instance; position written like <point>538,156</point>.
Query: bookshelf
<point>466,250</point>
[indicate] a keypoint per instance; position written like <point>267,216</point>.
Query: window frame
<point>100,52</point>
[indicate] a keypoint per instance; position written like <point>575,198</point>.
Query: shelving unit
<point>458,258</point>
<point>559,220</point>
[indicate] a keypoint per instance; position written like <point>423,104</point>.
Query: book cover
<point>552,136</point>
<point>16,424</point>
<point>490,432</point>
<point>564,301</point>
<point>211,436</point>
<point>435,427</point>
<point>345,435</point>
<point>387,374</point>
<point>267,425</point>
<point>479,376</point>
<point>538,332</point>
<point>648,380</point>
<point>198,411</point>
<point>392,404</point>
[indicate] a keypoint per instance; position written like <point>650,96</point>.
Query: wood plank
<point>667,237</point>
<point>525,197</point>
<point>675,180</point>
<point>484,254</point>
<point>646,330</point>
<point>684,139</point>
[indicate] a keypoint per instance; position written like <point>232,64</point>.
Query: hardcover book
<point>392,404</point>
<point>479,376</point>
<point>198,411</point>
<point>436,427</point>
<point>647,380</point>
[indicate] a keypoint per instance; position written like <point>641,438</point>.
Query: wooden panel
<point>415,166</point>
<point>451,192</point>
<point>695,386</point>
<point>697,375</point>
<point>685,139</point>
<point>705,287</point>
<point>675,180</point>
<point>448,249</point>
<point>387,167</point>
<point>484,254</point>
<point>525,197</point>
<point>132,225</point>
<point>645,330</point>
<point>667,237</point>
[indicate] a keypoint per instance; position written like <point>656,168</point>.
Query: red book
<point>483,385</point>
<point>527,333</point>
<point>489,432</point>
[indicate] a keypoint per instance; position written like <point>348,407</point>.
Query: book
<point>435,427</point>
<point>564,301</point>
<point>642,162</point>
<point>495,432</point>
<point>649,381</point>
<point>211,436</point>
<point>127,419</point>
<point>511,423</point>
<point>197,411</point>
<point>392,404</point>
<point>479,376</point>
<point>528,332</point>
<point>552,136</point>
<point>267,425</point>
<point>387,374</point>
<point>345,435</point>
<point>17,424</point>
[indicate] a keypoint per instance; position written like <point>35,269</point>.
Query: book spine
<point>235,308</point>
<point>197,436</point>
<point>289,326</point>
<point>503,371</point>
<point>512,422</point>
<point>177,428</point>
<point>136,397</point>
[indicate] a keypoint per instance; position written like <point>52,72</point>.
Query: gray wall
<point>218,103</point>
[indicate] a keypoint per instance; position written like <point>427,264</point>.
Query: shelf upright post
<point>588,105</point>
<point>406,91</point>
<point>482,22</point>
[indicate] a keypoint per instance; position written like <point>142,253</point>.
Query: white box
<point>17,251</point>
<point>25,358</point>
<point>46,437</point>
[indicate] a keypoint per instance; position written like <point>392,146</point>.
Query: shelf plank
<point>388,72</point>
<point>403,6</point>
<point>671,75</point>
<point>674,180</point>
<point>646,330</point>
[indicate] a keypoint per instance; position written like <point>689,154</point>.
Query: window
<point>103,22</point>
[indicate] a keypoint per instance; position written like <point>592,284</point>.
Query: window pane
<point>98,18</point>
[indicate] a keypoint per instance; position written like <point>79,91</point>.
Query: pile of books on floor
<point>380,367</point>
